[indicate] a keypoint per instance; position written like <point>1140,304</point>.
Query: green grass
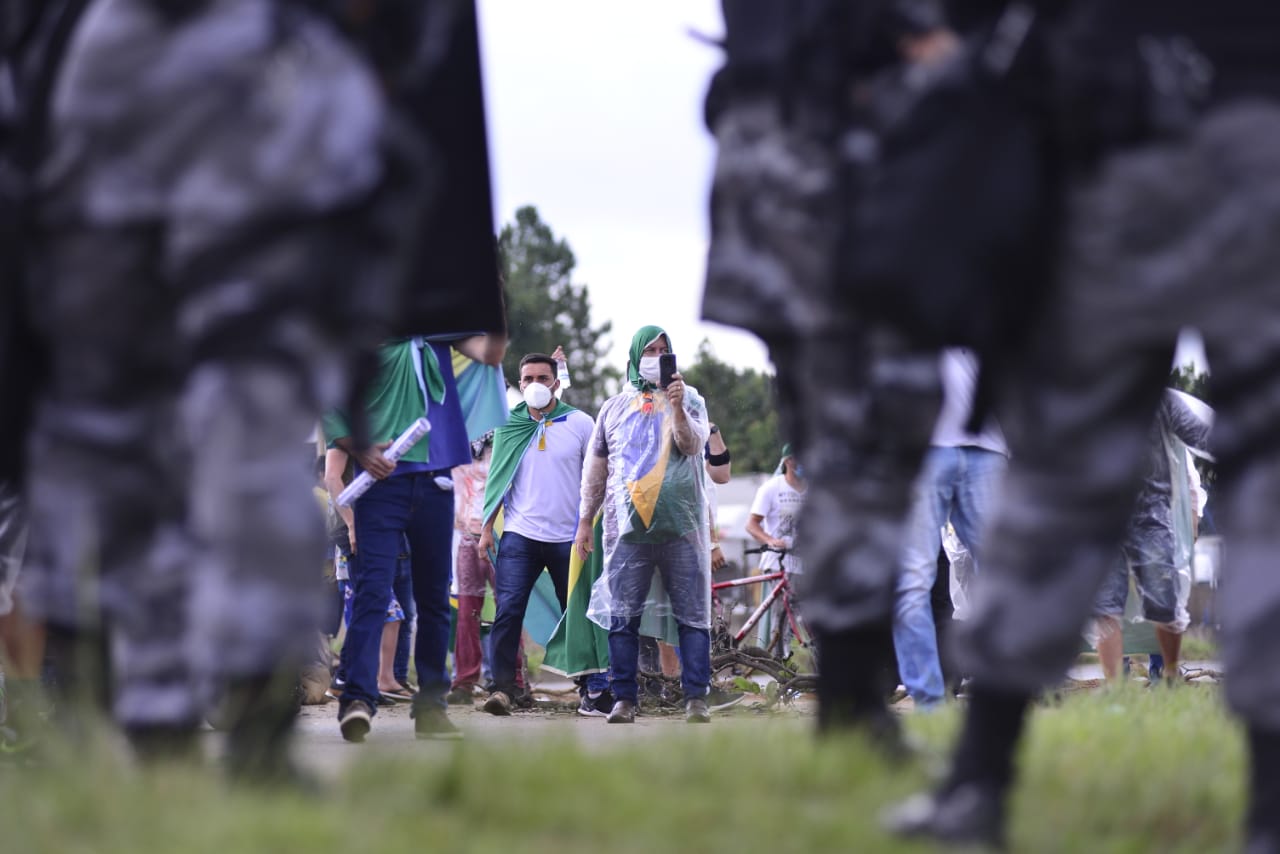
<point>1130,770</point>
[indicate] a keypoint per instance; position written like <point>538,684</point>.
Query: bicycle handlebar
<point>763,550</point>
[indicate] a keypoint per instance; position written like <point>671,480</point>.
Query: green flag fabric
<point>579,646</point>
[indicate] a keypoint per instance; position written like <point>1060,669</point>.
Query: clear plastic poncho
<point>656,540</point>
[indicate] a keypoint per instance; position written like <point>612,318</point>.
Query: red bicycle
<point>775,656</point>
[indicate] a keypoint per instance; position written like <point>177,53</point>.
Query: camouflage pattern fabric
<point>199,165</point>
<point>855,398</point>
<point>1161,237</point>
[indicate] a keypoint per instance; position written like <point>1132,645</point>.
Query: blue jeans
<point>631,571</point>
<point>957,485</point>
<point>520,562</point>
<point>403,506</point>
<point>402,589</point>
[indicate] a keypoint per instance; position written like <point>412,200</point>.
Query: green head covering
<point>643,338</point>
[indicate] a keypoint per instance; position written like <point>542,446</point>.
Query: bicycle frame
<point>779,590</point>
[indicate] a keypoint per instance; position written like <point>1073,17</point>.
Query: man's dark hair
<point>538,357</point>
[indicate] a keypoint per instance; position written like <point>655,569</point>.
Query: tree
<point>546,308</point>
<point>741,402</point>
<point>1187,378</point>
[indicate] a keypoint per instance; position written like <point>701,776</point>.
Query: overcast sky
<point>595,118</point>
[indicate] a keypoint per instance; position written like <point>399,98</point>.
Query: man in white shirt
<point>534,478</point>
<point>775,511</point>
<point>958,484</point>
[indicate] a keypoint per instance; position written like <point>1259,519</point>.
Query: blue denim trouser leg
<point>624,657</point>
<point>409,505</point>
<point>378,521</point>
<point>402,588</point>
<point>431,558</point>
<point>520,562</point>
<point>631,571</point>
<point>956,485</point>
<point>695,661</point>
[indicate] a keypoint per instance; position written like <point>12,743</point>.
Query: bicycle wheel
<point>748,663</point>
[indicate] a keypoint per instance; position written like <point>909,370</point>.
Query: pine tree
<point>545,308</point>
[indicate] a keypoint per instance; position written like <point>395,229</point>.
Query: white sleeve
<point>763,501</point>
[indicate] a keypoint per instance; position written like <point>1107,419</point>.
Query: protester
<point>1156,549</point>
<point>958,485</point>
<point>534,478</point>
<point>397,629</point>
<point>719,468</point>
<point>413,499</point>
<point>775,514</point>
<point>646,470</point>
<point>772,522</point>
<point>472,571</point>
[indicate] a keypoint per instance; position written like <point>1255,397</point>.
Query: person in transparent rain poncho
<point>645,469</point>
<point>1157,545</point>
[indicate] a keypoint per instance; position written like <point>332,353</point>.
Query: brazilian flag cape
<point>579,646</point>
<point>510,442</point>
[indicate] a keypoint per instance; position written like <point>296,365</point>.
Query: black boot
<point>78,681</point>
<point>261,712</point>
<point>853,689</point>
<point>969,808</point>
<point>1262,825</point>
<point>160,743</point>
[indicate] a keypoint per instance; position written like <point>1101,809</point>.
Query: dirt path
<point>319,744</point>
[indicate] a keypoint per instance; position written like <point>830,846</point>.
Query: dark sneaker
<point>623,712</point>
<point>718,700</point>
<point>355,721</point>
<point>696,711</point>
<point>432,722</point>
<point>460,696</point>
<point>969,814</point>
<point>498,704</point>
<point>596,707</point>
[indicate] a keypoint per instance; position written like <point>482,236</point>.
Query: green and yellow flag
<point>579,646</point>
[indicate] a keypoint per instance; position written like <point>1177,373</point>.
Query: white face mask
<point>649,369</point>
<point>537,395</point>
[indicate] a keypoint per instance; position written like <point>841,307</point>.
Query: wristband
<point>719,459</point>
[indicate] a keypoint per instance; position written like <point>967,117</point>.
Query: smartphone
<point>666,369</point>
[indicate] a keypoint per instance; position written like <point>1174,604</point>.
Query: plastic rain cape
<point>653,494</point>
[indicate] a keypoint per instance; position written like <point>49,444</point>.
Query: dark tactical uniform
<point>189,227</point>
<point>1161,237</point>
<point>856,397</point>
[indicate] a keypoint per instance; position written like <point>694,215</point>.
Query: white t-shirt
<point>542,503</point>
<point>959,370</point>
<point>779,506</point>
